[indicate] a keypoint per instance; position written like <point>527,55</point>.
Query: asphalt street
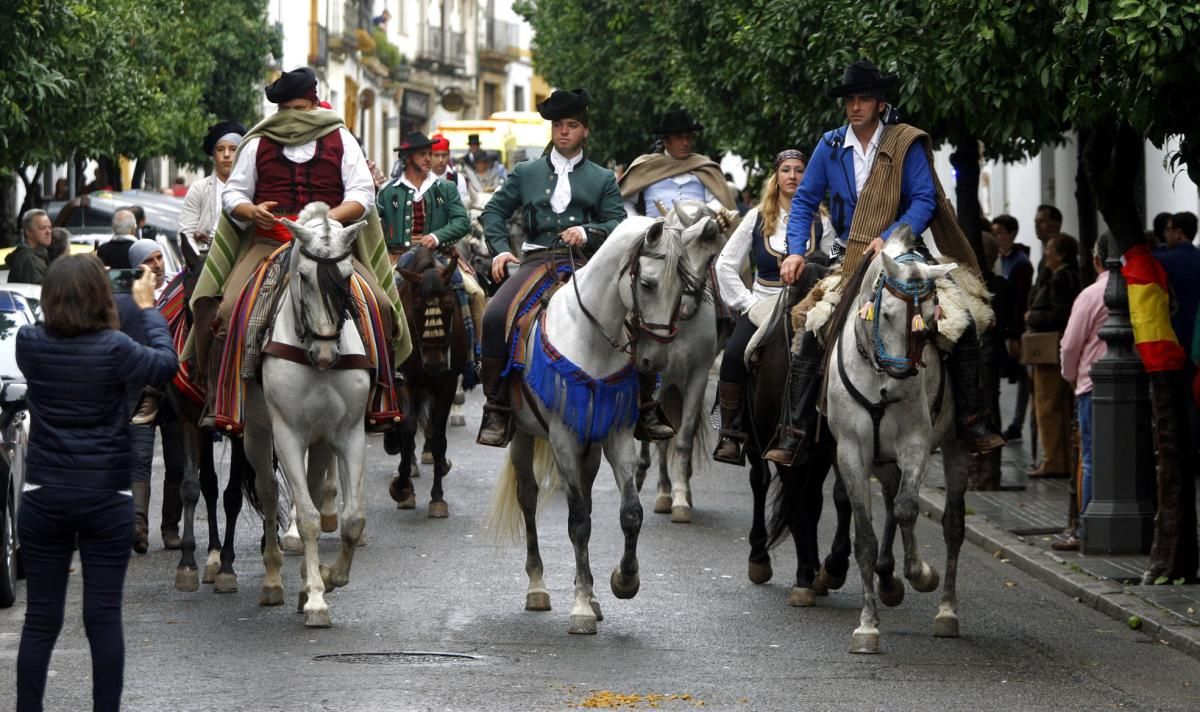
<point>698,633</point>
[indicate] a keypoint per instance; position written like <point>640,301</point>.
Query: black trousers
<point>733,363</point>
<point>48,523</point>
<point>495,316</point>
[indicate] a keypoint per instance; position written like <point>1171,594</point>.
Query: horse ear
<point>451,267</point>
<point>889,266</point>
<point>298,231</point>
<point>686,217</point>
<point>351,232</point>
<point>654,232</point>
<point>938,271</point>
<point>410,276</point>
<point>190,259</point>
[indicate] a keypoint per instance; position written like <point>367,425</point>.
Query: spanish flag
<point>1150,311</point>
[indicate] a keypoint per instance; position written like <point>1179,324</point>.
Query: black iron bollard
<point>1120,516</point>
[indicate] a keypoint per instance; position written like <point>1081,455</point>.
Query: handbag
<point>1039,348</point>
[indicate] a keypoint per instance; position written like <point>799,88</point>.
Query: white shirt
<point>561,198</point>
<point>733,257</point>
<point>864,158</point>
<point>460,182</point>
<point>359,187</point>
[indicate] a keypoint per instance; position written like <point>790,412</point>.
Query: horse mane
<point>677,272</point>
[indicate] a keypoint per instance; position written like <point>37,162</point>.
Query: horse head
<point>704,244</point>
<point>319,281</point>
<point>430,306</point>
<point>903,304</point>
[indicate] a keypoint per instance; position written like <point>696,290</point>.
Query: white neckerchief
<point>864,157</point>
<point>562,189</point>
<point>418,192</point>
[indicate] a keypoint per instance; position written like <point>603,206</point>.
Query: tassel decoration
<point>918,323</point>
<point>867,312</point>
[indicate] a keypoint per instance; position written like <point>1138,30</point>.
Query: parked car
<point>15,312</point>
<point>93,212</point>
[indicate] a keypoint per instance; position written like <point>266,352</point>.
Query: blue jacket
<point>831,171</point>
<point>79,417</point>
<point>1182,264</point>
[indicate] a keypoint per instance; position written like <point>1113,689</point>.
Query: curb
<point>1109,597</point>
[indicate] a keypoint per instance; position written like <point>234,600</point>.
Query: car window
<point>10,322</point>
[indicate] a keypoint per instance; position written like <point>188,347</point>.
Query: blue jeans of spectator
<point>141,443</point>
<point>1083,412</point>
<point>48,523</point>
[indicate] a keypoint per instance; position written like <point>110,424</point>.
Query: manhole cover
<point>397,658</point>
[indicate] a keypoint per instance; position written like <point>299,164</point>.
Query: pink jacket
<point>1081,342</point>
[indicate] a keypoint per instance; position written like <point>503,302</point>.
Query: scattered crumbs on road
<point>609,700</point>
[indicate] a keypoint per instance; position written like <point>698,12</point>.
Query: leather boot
<point>172,511</point>
<point>204,314</point>
<point>652,423</point>
<point>496,428</point>
<point>208,417</point>
<point>141,505</point>
<point>804,370</point>
<point>729,449</point>
<point>147,410</point>
<point>973,428</point>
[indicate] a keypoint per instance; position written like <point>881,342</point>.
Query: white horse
<point>308,412</point>
<point>889,407</point>
<point>685,379</point>
<point>636,278</point>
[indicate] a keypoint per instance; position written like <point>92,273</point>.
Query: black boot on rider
<point>803,376</point>
<point>968,395</point>
<point>652,423</point>
<point>729,449</point>
<point>496,428</point>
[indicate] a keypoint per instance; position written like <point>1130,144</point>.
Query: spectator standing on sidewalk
<point>1082,347</point>
<point>1181,259</point>
<point>29,262</point>
<point>1017,269</point>
<point>1049,309</point>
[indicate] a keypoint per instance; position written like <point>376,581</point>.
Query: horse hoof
<point>187,580</point>
<point>438,510</point>
<point>624,587</point>
<point>802,598</point>
<point>415,471</point>
<point>427,458</point>
<point>826,582</point>
<point>210,572</point>
<point>397,491</point>
<point>891,591</point>
<point>292,545</point>
<point>329,523</point>
<point>301,599</point>
<point>681,514</point>
<point>409,502</point>
<point>460,397</point>
<point>582,625</point>
<point>945,625</point>
<point>927,580</point>
<point>759,573</point>
<point>662,504</point>
<point>865,641</point>
<point>271,596</point>
<point>317,619</point>
<point>596,610</point>
<point>457,421</point>
<point>537,601</point>
<point>225,583</point>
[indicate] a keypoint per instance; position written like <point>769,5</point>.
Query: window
<point>519,99</point>
<point>491,99</point>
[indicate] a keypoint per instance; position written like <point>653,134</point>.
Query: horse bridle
<point>914,292</point>
<point>303,330</point>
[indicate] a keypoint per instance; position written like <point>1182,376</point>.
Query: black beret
<point>299,83</point>
<point>219,129</point>
<point>563,104</point>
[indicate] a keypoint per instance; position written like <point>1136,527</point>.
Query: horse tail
<point>505,520</point>
<point>238,459</point>
<point>781,505</point>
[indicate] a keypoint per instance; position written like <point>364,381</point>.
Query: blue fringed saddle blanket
<point>590,407</point>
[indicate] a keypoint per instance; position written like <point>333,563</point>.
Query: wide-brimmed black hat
<point>299,83</point>
<point>219,129</point>
<point>414,141</point>
<point>678,121</point>
<point>563,104</point>
<point>472,138</point>
<point>864,79</point>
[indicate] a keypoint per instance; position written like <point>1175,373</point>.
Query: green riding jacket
<point>445,216</point>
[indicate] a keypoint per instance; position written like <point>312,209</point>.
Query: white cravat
<point>562,189</point>
<point>864,157</point>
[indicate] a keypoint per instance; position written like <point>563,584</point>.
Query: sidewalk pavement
<point>1020,522</point>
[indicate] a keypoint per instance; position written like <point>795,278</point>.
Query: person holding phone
<point>77,483</point>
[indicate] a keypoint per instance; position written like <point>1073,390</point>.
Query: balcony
<point>443,51</point>
<point>318,46</point>
<point>456,53</point>
<point>502,38</point>
<point>432,46</point>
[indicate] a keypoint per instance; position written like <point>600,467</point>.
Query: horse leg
<point>457,420</point>
<point>684,443</point>
<point>187,578</point>
<point>231,499</point>
<point>921,574</point>
<point>290,450</point>
<point>351,458</point>
<point>520,452</point>
<point>328,508</point>
<point>401,487</point>
<point>579,473</point>
<point>855,473</point>
<point>622,457</point>
<point>832,575</point>
<point>955,460</point>
<point>643,466</point>
<point>436,440</point>
<point>210,490</point>
<point>891,589</point>
<point>258,445</point>
<point>662,497</point>
<point>291,542</point>
<point>759,568</point>
<point>804,512</point>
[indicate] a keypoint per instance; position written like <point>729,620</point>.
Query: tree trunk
<point>965,160</point>
<point>1112,156</point>
<point>139,172</point>
<point>1086,203</point>
<point>1174,553</point>
<point>8,220</point>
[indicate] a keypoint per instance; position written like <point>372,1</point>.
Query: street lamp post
<point>1119,518</point>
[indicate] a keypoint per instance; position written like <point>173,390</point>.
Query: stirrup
<point>659,429</point>
<point>737,439</point>
<point>501,436</point>
<point>787,456</point>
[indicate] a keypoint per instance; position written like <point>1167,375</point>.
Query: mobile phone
<point>122,279</point>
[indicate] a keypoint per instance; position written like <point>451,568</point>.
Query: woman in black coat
<point>77,481</point>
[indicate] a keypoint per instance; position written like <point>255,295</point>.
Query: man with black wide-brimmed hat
<point>564,197</point>
<point>864,215</point>
<point>674,173</point>
<point>417,206</point>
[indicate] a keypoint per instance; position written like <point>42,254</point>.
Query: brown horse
<point>440,352</point>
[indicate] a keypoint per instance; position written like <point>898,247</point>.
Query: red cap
<point>440,142</point>
<point>324,104</point>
